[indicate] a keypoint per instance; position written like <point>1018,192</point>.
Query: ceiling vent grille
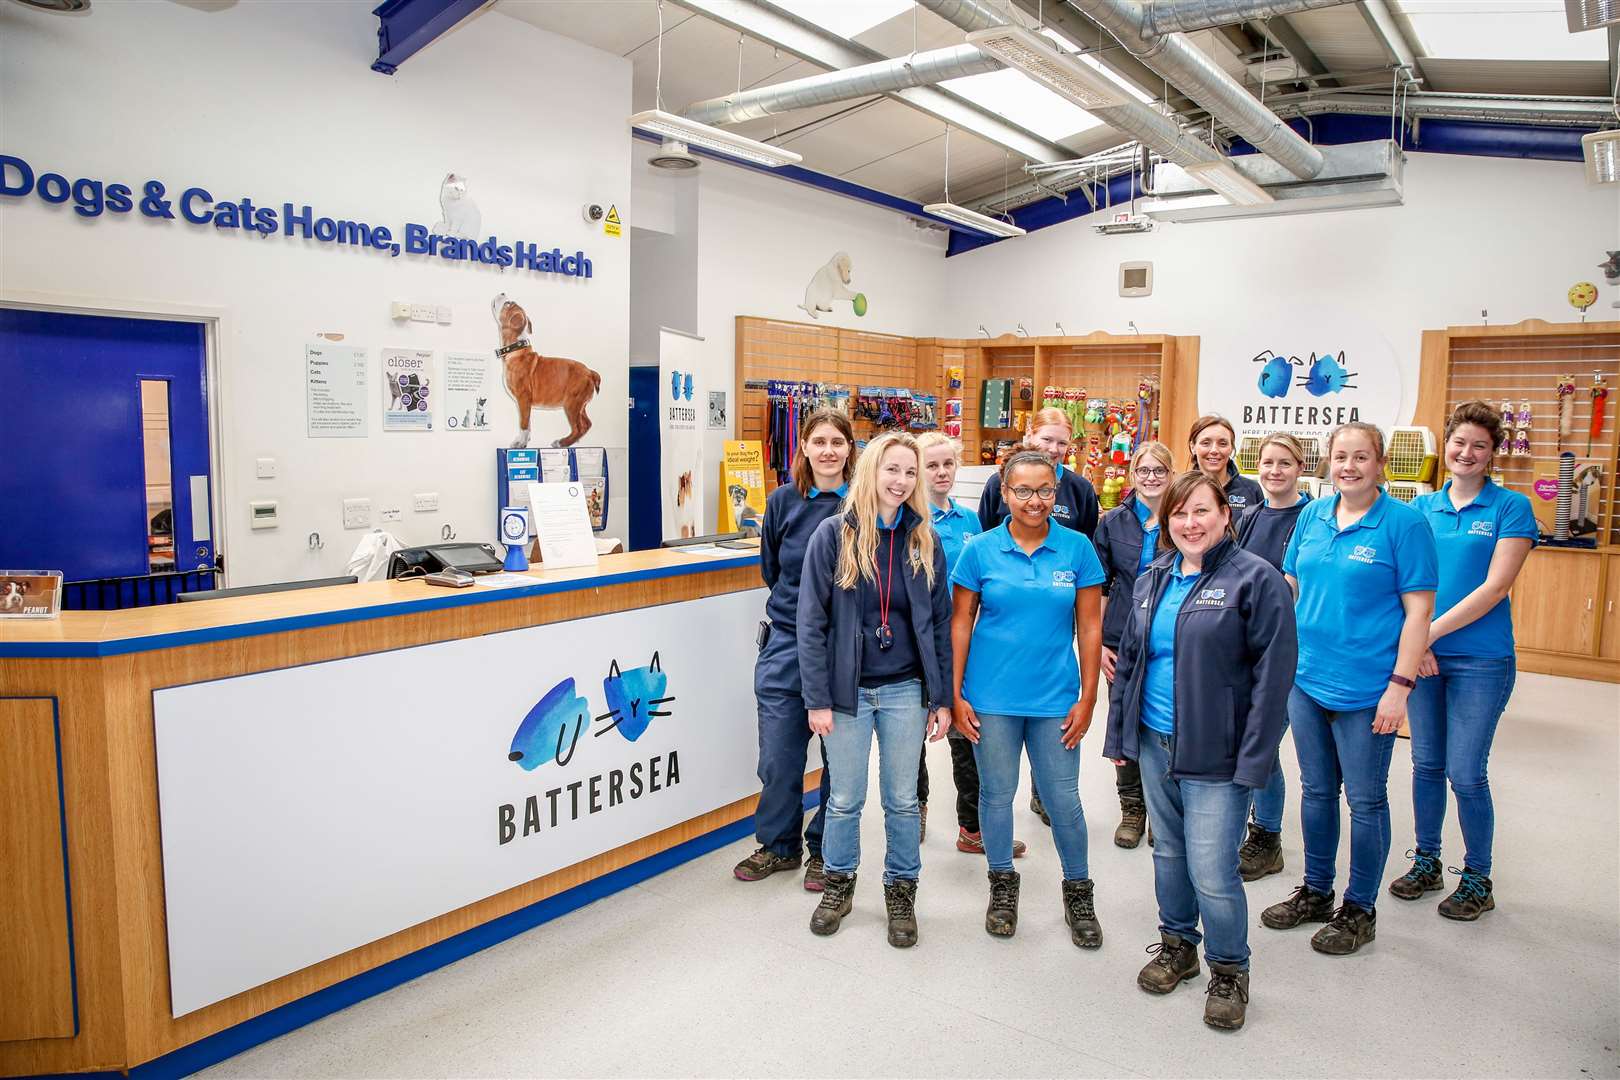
<point>1042,61</point>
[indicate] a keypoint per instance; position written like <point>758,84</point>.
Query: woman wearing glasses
<point>1127,543</point>
<point>1024,593</point>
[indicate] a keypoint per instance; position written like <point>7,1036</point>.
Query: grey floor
<point>696,974</point>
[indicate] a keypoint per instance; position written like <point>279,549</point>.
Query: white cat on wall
<point>460,216</point>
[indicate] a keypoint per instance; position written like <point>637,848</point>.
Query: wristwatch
<point>1402,680</point>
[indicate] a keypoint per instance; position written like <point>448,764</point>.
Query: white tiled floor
<point>694,973</point>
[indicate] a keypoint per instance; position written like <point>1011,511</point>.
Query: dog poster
<point>742,485</point>
<point>537,381</point>
<point>681,437</point>
<point>467,386</point>
<point>407,389</point>
<point>26,594</point>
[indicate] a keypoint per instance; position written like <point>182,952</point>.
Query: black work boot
<point>1080,913</point>
<point>1305,905</point>
<point>1350,928</point>
<point>900,898</point>
<point>1227,996</point>
<point>762,864</point>
<point>1176,962</point>
<point>1471,899</point>
<point>1038,808</point>
<point>815,873</point>
<point>837,897</point>
<point>1132,823</point>
<point>1424,876</point>
<point>1001,917</point>
<point>1261,853</point>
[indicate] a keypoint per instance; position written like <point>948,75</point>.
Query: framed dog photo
<point>30,594</point>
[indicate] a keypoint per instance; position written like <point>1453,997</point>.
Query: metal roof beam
<point>406,27</point>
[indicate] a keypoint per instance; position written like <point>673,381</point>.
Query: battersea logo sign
<point>93,198</point>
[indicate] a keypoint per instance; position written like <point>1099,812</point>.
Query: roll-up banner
<point>680,435</point>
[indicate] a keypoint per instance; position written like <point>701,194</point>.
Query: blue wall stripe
<point>447,599</point>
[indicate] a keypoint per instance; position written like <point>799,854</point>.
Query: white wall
<point>278,102</point>
<point>1508,236</point>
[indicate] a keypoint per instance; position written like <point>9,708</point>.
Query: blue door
<point>106,452</point>
<point>646,478</point>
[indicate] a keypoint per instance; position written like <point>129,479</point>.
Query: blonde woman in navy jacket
<point>1200,687</point>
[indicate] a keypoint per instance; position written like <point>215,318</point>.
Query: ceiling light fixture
<point>961,215</point>
<point>1601,149</point>
<point>1042,61</point>
<point>1224,179</point>
<point>670,126</point>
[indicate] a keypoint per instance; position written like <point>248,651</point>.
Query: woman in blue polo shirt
<point>1127,542</point>
<point>1205,665</point>
<point>1025,593</point>
<point>821,472</point>
<point>1484,533</point>
<point>1211,443</point>
<point>1363,567</point>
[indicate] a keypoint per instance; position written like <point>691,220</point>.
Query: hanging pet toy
<point>1600,394</point>
<point>1566,405</point>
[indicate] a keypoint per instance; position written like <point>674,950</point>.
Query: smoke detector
<point>59,7</point>
<point>674,156</point>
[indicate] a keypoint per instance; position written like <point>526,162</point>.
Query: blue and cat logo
<point>1364,554</point>
<point>1482,528</point>
<point>1062,577</point>
<point>1324,374</point>
<point>552,729</point>
<point>680,385</point>
<point>1212,594</point>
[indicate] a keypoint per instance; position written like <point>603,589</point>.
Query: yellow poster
<point>742,485</point>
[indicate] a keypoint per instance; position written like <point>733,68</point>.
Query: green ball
<point>860,303</point>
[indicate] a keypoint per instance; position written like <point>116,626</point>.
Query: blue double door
<point>105,456</point>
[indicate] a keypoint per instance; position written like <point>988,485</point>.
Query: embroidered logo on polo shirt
<point>1062,577</point>
<point>1364,554</point>
<point>1059,510</point>
<point>1482,528</point>
<point>1211,598</point>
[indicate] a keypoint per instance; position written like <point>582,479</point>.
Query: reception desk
<point>226,818</point>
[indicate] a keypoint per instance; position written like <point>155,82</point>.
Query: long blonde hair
<point>857,548</point>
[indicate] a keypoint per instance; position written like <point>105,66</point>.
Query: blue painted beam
<point>409,26</point>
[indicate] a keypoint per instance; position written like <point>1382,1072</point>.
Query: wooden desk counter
<point>84,943</point>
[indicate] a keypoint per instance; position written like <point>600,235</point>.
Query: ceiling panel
<point>1340,38</point>
<point>630,22</point>
<point>862,135</point>
<point>1577,78</point>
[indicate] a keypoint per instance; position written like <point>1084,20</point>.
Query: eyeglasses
<point>1022,492</point>
<point>1152,473</point>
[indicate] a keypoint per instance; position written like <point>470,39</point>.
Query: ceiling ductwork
<point>1354,176</point>
<point>1186,16</point>
<point>1494,108</point>
<point>866,80</point>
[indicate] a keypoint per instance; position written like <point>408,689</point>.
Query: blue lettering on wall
<point>92,197</point>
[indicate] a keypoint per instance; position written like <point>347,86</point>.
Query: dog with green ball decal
<point>829,284</point>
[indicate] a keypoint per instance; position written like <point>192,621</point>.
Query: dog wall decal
<point>541,382</point>
<point>830,283</point>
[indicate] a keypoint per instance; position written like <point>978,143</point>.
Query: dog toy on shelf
<point>1566,405</point>
<point>1600,394</point>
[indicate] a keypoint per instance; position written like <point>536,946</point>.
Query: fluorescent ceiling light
<point>1601,149</point>
<point>1501,30</point>
<point>1591,14</point>
<point>1040,59</point>
<point>846,18</point>
<point>961,215</point>
<point>1024,102</point>
<point>1229,184</point>
<point>712,138</point>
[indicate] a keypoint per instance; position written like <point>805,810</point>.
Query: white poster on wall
<point>1303,372</point>
<point>311,810</point>
<point>680,436</point>
<point>336,395</point>
<point>407,388</point>
<point>467,389</point>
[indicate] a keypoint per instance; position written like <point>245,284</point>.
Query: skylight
<point>1500,30</point>
<point>1025,103</point>
<point>846,18</point>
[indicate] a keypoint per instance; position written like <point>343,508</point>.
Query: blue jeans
<point>1338,749</point>
<point>1453,720</point>
<point>1055,772</point>
<point>1197,830</point>
<point>897,714</point>
<point>1268,801</point>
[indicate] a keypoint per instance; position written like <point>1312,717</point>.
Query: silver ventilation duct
<point>1185,16</point>
<point>1354,176</point>
<point>918,69</point>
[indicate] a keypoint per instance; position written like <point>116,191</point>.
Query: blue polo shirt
<point>1350,584</point>
<point>953,527</point>
<point>1021,660</point>
<point>1466,540</point>
<point>1159,683</point>
<point>1150,536</point>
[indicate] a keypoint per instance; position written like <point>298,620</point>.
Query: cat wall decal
<point>551,731</point>
<point>633,698</point>
<point>1327,375</point>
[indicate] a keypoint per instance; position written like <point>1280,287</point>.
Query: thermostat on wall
<point>1136,279</point>
<point>264,513</point>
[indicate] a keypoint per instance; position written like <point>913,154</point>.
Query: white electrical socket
<point>445,315</point>
<point>265,468</point>
<point>424,313</point>
<point>399,309</point>
<point>425,502</point>
<point>356,513</point>
<point>391,513</point>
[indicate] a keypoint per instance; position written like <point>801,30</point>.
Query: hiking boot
<point>1424,876</point>
<point>1227,996</point>
<point>1038,808</point>
<point>922,822</point>
<point>900,898</point>
<point>1350,928</point>
<point>1081,914</point>
<point>815,873</point>
<point>1472,897</point>
<point>1001,917</point>
<point>1176,962</point>
<point>973,843</point>
<point>762,864</point>
<point>1305,905</point>
<point>1261,853</point>
<point>1132,823</point>
<point>837,897</point>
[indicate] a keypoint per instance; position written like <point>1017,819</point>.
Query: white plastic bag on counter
<point>370,559</point>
